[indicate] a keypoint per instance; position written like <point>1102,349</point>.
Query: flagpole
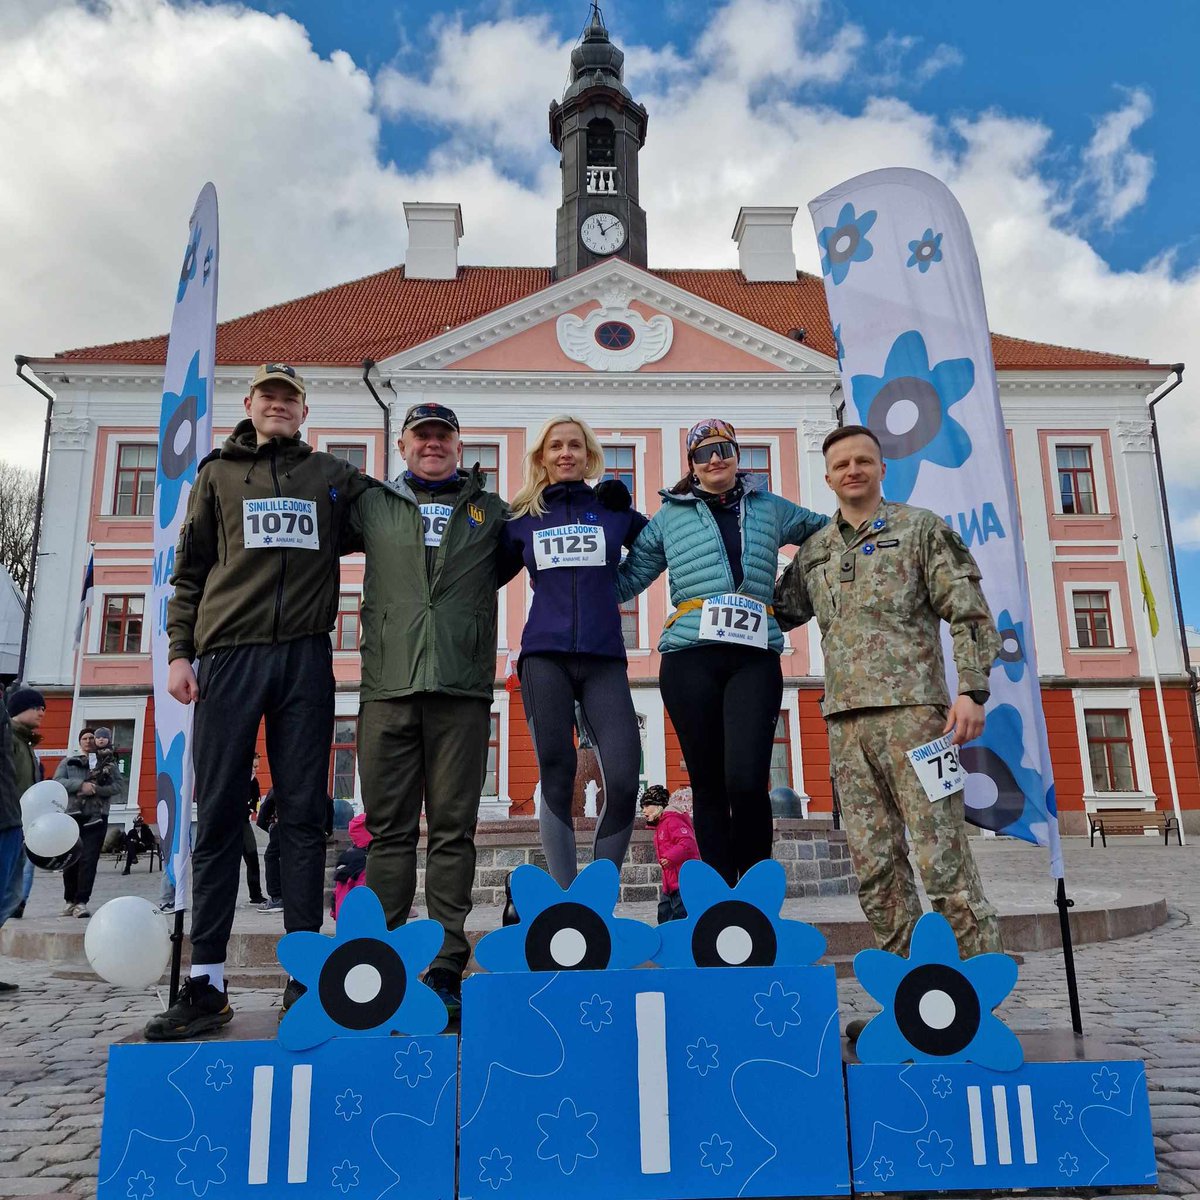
<point>79,651</point>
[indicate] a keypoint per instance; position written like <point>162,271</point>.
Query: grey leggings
<point>550,686</point>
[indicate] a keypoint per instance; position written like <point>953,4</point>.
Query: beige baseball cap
<point>280,372</point>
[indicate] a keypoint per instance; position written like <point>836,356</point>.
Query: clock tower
<point>598,130</point>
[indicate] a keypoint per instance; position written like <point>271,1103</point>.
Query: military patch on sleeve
<point>474,515</point>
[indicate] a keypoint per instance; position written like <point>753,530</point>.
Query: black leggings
<point>724,703</point>
<point>550,686</point>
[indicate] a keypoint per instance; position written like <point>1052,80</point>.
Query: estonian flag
<point>85,600</point>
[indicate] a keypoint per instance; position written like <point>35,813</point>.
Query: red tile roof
<point>383,314</point>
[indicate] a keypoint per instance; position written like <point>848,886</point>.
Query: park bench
<point>1132,820</point>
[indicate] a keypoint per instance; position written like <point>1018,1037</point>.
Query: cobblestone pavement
<point>1141,992</point>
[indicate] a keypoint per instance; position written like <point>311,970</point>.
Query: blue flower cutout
<point>590,518</point>
<point>1064,1113</point>
<point>1012,646</point>
<point>345,1176</point>
<point>777,1008</point>
<point>188,271</point>
<point>496,1168</point>
<point>348,1105</point>
<point>884,1169</point>
<point>908,409</point>
<point>1068,1164</point>
<point>716,1154</point>
<point>595,1013</point>
<point>878,523</point>
<point>845,243</point>
<point>936,1006</point>
<point>927,249</point>
<point>1011,800</point>
<point>412,1064</point>
<point>702,1057</point>
<point>218,1075</point>
<point>941,1086</point>
<point>738,926</point>
<point>936,1152</point>
<point>838,344</point>
<point>869,549</point>
<point>567,1135</point>
<point>1106,1083</point>
<point>363,980</point>
<point>201,1166</point>
<point>571,929</point>
<point>178,445</point>
<point>141,1186</point>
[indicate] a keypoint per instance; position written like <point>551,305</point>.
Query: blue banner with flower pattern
<point>906,303</point>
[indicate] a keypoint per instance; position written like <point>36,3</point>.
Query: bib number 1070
<point>277,522</point>
<point>280,521</point>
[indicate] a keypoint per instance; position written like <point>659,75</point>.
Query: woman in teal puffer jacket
<point>718,533</point>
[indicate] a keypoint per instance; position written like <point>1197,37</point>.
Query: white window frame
<point>1099,473</point>
<point>495,808</point>
<point>114,442</point>
<point>502,484</point>
<point>638,442</point>
<point>499,440</point>
<point>96,619</point>
<point>119,708</point>
<point>647,703</point>
<point>349,589</point>
<point>770,442</point>
<point>791,706</point>
<point>353,437</point>
<point>1115,608</point>
<point>345,705</point>
<point>1129,700</point>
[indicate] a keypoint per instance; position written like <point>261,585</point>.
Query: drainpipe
<point>368,366</point>
<point>38,386</point>
<point>1177,369</point>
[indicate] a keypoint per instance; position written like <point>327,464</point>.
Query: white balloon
<point>52,834</point>
<point>127,942</point>
<point>46,796</point>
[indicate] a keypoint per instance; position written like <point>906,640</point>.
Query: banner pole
<point>176,956</point>
<point>1064,905</point>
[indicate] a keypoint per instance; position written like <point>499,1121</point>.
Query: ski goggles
<point>703,454</point>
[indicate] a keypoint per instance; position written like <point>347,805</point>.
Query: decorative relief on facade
<point>1133,435</point>
<point>68,432</point>
<point>816,431</point>
<point>614,337</point>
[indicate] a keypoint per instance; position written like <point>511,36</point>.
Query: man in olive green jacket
<point>428,669</point>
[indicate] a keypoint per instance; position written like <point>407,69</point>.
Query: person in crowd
<point>106,767</point>
<point>718,533</point>
<point>256,592</point>
<point>249,842</point>
<point>351,869</point>
<point>880,580</point>
<point>570,538</point>
<point>89,799</point>
<point>267,820</point>
<point>140,839</point>
<point>428,649</point>
<point>674,844</point>
<point>17,764</point>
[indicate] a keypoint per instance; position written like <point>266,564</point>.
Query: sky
<point>1067,131</point>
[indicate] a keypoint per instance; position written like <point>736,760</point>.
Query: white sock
<point>214,971</point>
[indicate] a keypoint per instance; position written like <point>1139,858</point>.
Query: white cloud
<point>898,65</point>
<point>1187,532</point>
<point>1116,177</point>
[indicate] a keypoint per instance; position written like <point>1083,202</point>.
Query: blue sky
<point>1066,130</point>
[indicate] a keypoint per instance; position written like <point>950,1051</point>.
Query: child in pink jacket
<point>674,843</point>
<point>351,871</point>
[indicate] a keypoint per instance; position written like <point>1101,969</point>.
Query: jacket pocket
<point>222,542</point>
<point>821,595</point>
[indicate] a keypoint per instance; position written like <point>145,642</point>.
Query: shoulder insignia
<point>475,514</point>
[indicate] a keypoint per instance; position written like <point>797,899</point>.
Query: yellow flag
<point>1148,596</point>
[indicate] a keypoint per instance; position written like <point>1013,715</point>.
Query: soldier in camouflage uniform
<point>880,579</point>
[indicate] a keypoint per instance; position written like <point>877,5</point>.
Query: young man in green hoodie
<point>256,593</point>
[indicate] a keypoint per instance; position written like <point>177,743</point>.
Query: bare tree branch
<point>18,500</point>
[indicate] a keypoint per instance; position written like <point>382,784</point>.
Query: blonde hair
<point>528,501</point>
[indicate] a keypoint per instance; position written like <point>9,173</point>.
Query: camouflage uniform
<point>880,594</point>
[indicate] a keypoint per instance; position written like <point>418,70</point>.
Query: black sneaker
<point>447,986</point>
<point>19,911</point>
<point>8,987</point>
<point>291,993</point>
<point>509,915</point>
<point>200,1008</point>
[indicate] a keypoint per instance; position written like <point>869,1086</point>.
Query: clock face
<point>603,233</point>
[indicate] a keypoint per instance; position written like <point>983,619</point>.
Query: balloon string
<point>161,998</point>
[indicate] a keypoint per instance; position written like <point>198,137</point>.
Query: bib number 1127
<point>734,618</point>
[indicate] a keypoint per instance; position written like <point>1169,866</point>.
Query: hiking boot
<point>291,993</point>
<point>199,1009</point>
<point>447,986</point>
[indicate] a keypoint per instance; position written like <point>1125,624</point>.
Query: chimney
<point>433,233</point>
<point>764,241</point>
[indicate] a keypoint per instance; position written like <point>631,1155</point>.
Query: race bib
<point>280,521</point>
<point>734,618</point>
<point>434,518</point>
<point>569,546</point>
<point>937,767</point>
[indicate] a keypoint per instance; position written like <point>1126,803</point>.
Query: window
<point>757,461</point>
<point>781,754</point>
<point>133,492</point>
<point>1076,479</point>
<point>487,455</point>
<point>619,463</point>
<point>342,758</point>
<point>346,628</point>
<point>629,623</point>
<point>1110,749</point>
<point>355,453</point>
<point>1093,620</point>
<point>491,778</point>
<point>121,631</point>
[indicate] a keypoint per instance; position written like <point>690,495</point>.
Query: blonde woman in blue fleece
<point>718,534</point>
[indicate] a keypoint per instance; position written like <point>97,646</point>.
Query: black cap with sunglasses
<point>429,412</point>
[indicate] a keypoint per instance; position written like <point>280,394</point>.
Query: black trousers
<point>250,858</point>
<point>80,878</point>
<point>290,685</point>
<point>271,864</point>
<point>724,703</point>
